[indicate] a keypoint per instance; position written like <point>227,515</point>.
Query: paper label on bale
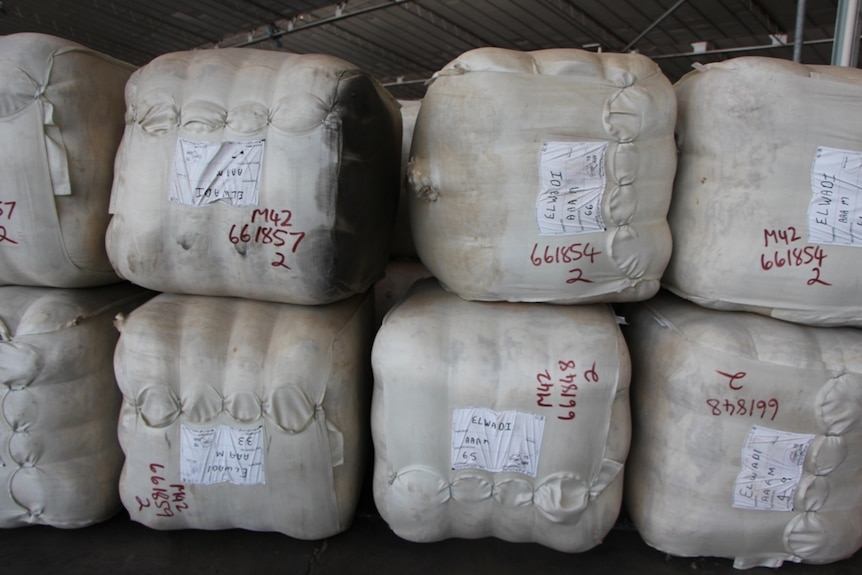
<point>835,211</point>
<point>572,176</point>
<point>496,441</point>
<point>222,455</point>
<point>771,468</point>
<point>208,172</point>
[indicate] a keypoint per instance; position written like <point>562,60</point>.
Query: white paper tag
<point>572,176</point>
<point>835,210</point>
<point>208,172</point>
<point>496,441</point>
<point>221,455</point>
<point>771,468</point>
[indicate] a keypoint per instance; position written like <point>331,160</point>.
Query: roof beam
<point>298,23</point>
<point>738,49</point>
<point>576,14</point>
<point>658,21</point>
<point>445,24</point>
<point>763,17</point>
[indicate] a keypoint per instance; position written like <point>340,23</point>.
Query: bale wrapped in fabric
<point>499,419</point>
<point>766,213</point>
<point>747,435</point>
<point>402,233</point>
<point>400,275</point>
<point>544,176</point>
<point>245,414</point>
<point>255,174</point>
<point>59,403</point>
<point>61,120</point>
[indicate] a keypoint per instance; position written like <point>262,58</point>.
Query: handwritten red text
<point>560,389</point>
<point>165,499</point>
<point>741,406</point>
<point>270,227</point>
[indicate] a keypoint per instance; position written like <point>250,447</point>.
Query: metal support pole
<point>798,35</point>
<point>845,50</point>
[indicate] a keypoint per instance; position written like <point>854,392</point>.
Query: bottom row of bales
<point>487,419</point>
<point>244,413</point>
<point>747,435</point>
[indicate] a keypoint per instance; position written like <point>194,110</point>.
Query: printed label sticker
<point>496,441</point>
<point>208,172</point>
<point>771,468</point>
<point>221,455</point>
<point>835,210</point>
<point>572,176</point>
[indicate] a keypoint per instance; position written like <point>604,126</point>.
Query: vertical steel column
<point>845,50</point>
<point>798,35</point>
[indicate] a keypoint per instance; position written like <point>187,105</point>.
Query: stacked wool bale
<point>499,419</point>
<point>255,174</point>
<point>258,190</point>
<point>61,118</point>
<point>747,435</point>
<point>747,428</point>
<point>510,418</point>
<point>402,234</point>
<point>544,176</point>
<point>244,413</point>
<point>60,460</point>
<point>404,267</point>
<point>765,213</point>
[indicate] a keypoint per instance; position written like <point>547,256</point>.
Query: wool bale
<point>61,120</point>
<point>747,435</point>
<point>244,414</point>
<point>402,233</point>
<point>400,275</point>
<point>59,403</point>
<point>256,174</point>
<point>544,176</point>
<point>499,419</point>
<point>766,213</point>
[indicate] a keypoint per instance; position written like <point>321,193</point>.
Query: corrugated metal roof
<point>403,42</point>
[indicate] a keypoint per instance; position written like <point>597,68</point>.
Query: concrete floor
<point>121,546</point>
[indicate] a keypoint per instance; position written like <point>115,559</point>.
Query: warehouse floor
<point>122,546</point>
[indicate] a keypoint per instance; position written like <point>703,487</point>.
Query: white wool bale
<point>255,174</point>
<point>59,403</point>
<point>402,234</point>
<point>767,204</point>
<point>242,413</point>
<point>400,275</point>
<point>61,119</point>
<point>747,435</point>
<point>499,419</point>
<point>545,176</point>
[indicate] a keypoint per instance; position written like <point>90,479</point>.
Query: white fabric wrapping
<point>400,275</point>
<point>61,119</point>
<point>308,220</point>
<point>297,375</point>
<point>476,172</point>
<point>748,131</point>
<point>402,233</point>
<point>702,380</point>
<point>59,403</point>
<point>436,355</point>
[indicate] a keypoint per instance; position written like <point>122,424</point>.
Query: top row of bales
<point>537,177</point>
